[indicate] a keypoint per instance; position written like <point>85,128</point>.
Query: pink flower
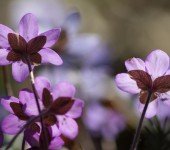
<point>151,75</point>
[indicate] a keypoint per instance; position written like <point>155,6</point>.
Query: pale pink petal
<point>40,84</point>
<point>52,37</point>
<point>76,109</point>
<point>55,130</point>
<point>5,102</point>
<point>11,124</point>
<point>28,27</point>
<point>56,143</point>
<point>3,57</point>
<point>4,30</point>
<point>68,126</point>
<point>135,64</point>
<point>157,63</point>
<point>50,56</point>
<point>151,110</point>
<point>20,71</point>
<point>63,89</point>
<point>125,83</point>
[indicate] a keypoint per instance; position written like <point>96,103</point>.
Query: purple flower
<point>59,104</point>
<point>103,121</point>
<point>151,75</point>
<point>36,141</point>
<point>28,45</point>
<point>21,110</point>
<point>62,95</point>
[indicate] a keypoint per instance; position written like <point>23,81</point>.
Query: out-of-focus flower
<point>103,121</point>
<point>144,77</point>
<point>28,45</point>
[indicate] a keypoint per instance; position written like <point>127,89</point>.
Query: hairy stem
<point>7,85</point>
<point>37,102</point>
<point>30,121</point>
<point>138,131</point>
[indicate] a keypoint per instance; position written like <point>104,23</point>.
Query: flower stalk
<point>23,143</point>
<point>23,128</point>
<point>138,130</point>
<point>37,102</point>
<point>7,85</point>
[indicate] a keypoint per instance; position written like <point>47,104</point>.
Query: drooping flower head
<point>27,45</point>
<point>59,106</point>
<point>151,75</point>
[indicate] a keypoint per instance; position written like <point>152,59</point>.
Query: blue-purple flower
<point>28,45</point>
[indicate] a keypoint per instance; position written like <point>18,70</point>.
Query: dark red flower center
<point>60,106</point>
<point>145,83</point>
<point>22,50</point>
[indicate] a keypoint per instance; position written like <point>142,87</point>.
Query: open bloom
<point>151,75</point>
<point>28,45</point>
<point>61,96</point>
<point>58,105</point>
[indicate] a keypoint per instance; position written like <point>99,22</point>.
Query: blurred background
<point>96,38</point>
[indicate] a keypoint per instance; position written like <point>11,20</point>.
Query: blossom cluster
<point>43,110</point>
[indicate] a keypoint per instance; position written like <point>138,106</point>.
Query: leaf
<point>18,111</point>
<point>142,78</point>
<point>34,127</point>
<point>144,95</point>
<point>49,120</point>
<point>36,58</point>
<point>17,43</point>
<point>47,98</point>
<point>162,84</point>
<point>36,44</point>
<point>13,56</point>
<point>61,105</point>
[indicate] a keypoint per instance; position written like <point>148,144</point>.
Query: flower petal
<point>4,30</point>
<point>28,27</point>
<point>151,110</point>
<point>50,56</point>
<point>55,130</point>
<point>11,124</point>
<point>52,37</point>
<point>5,102</point>
<point>20,71</point>
<point>125,83</point>
<point>157,63</point>
<point>24,95</point>
<point>165,98</point>
<point>3,57</point>
<point>68,126</point>
<point>135,64</point>
<point>40,84</point>
<point>76,109</point>
<point>56,143</point>
<point>28,98</point>
<point>63,89</point>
